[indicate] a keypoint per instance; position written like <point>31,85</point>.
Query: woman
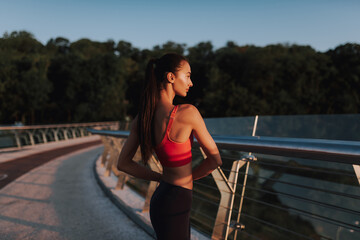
<point>168,130</point>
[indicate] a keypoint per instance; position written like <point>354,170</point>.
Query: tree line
<point>85,81</point>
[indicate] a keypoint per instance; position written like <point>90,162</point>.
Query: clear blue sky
<point>322,24</point>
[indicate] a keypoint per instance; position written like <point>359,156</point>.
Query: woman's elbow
<point>217,159</point>
<point>121,165</point>
<point>215,163</point>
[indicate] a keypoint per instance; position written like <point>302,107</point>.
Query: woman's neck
<point>167,96</point>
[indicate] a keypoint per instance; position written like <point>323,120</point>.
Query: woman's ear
<point>170,77</point>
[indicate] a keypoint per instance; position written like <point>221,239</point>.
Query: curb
<point>137,219</point>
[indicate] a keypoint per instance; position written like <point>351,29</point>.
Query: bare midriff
<point>179,176</point>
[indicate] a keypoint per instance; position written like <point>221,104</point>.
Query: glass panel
<point>7,139</point>
<point>238,126</point>
<point>339,127</point>
<point>290,198</point>
<point>293,198</point>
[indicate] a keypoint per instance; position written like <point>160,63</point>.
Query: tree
<point>89,83</point>
<point>201,58</point>
<point>94,81</point>
<point>24,85</point>
<point>343,87</point>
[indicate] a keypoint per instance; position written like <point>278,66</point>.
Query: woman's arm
<point>213,159</point>
<point>125,162</point>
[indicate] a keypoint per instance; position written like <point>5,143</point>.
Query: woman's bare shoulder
<point>189,113</point>
<point>187,108</point>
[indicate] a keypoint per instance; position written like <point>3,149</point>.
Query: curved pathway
<point>62,200</point>
<point>12,169</point>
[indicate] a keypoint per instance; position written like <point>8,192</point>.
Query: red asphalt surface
<point>17,167</point>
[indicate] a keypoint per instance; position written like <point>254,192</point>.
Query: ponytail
<point>156,72</point>
<point>146,112</point>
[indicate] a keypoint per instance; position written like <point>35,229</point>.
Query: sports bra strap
<point>174,111</point>
<point>172,116</point>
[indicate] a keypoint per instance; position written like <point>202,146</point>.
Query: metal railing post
<point>112,159</point>
<point>122,177</point>
<point>357,172</point>
<point>65,134</point>
<point>31,137</point>
<point>248,158</point>
<point>73,131</point>
<point>55,131</point>
<point>106,151</point>
<point>227,188</point>
<point>17,139</point>
<point>43,133</point>
<point>82,132</point>
<point>155,166</point>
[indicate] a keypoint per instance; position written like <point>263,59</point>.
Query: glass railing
<point>336,127</point>
<point>280,195</point>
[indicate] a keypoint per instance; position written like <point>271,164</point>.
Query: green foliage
<point>344,84</point>
<point>86,80</point>
<point>89,83</point>
<point>24,87</point>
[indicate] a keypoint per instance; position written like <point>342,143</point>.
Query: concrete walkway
<point>19,162</point>
<point>62,200</point>
<point>9,154</point>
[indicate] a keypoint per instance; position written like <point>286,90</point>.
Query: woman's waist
<point>183,179</point>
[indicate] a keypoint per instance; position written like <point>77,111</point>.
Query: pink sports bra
<point>174,154</point>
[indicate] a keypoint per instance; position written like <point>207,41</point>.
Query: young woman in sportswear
<point>168,131</point>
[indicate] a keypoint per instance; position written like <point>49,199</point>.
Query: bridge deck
<point>62,200</point>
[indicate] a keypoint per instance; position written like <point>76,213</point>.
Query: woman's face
<point>183,81</point>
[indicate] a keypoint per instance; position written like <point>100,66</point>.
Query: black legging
<point>170,208</point>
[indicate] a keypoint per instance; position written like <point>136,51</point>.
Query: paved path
<point>12,169</point>
<point>9,154</point>
<point>62,200</point>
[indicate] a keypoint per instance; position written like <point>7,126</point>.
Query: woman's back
<point>178,135</point>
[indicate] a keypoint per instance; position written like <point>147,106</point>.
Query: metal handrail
<point>57,125</point>
<point>319,149</point>
<point>20,136</point>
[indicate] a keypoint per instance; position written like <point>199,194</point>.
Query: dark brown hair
<point>155,77</point>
